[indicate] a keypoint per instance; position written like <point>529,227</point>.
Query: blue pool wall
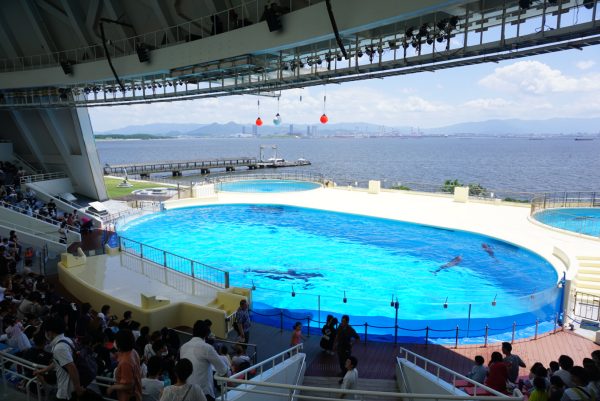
<point>547,306</point>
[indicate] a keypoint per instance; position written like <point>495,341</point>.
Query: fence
<point>293,176</point>
<point>564,210</point>
<point>42,177</point>
<point>564,199</point>
<point>196,270</point>
<point>15,369</point>
<point>587,306</point>
<point>502,319</point>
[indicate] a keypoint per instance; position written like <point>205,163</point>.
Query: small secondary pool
<point>307,263</point>
<point>580,220</point>
<point>266,186</point>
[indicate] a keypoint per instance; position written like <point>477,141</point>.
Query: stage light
<point>67,67</point>
<point>525,4</point>
<point>453,22</point>
<point>589,4</point>
<point>143,52</point>
<point>409,32</point>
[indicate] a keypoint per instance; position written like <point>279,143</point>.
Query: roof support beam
<point>77,21</point>
<point>8,41</point>
<point>54,11</point>
<point>21,122</point>
<point>161,11</point>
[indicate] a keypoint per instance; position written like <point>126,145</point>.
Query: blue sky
<point>562,84</point>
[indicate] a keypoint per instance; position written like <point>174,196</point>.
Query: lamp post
<point>396,306</point>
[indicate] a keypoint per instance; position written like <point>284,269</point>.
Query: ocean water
<point>499,164</point>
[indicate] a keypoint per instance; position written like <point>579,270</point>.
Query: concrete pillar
<point>374,186</point>
<point>461,194</point>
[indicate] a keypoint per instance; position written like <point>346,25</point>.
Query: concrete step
<point>363,384</point>
<point>588,258</point>
<point>587,277</point>
<point>593,263</point>
<point>585,284</point>
<point>590,291</point>
<point>588,270</point>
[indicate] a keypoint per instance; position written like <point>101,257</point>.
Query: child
<point>539,390</point>
<point>478,371</point>
<point>297,337</point>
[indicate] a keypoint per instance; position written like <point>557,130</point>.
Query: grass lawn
<point>115,192</point>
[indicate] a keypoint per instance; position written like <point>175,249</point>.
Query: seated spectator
<point>181,390</point>
<point>539,392</point>
<point>557,388</point>
<point>578,391</point>
<point>498,373</point>
<point>566,364</point>
<point>478,371</point>
<point>240,360</point>
<point>152,385</point>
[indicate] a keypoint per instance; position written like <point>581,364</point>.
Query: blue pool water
<point>324,257</point>
<point>266,186</point>
<point>579,220</point>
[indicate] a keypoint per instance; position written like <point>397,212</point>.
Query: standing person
<point>343,342</point>
<point>202,356</point>
<point>67,377</point>
<point>242,321</point>
<point>329,331</point>
<point>513,362</point>
<point>128,376</point>
<point>350,380</point>
<point>152,387</point>
<point>297,336</point>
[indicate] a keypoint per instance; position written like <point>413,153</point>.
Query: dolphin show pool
<point>304,264</point>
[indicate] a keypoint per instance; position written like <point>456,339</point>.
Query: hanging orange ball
<point>324,119</point>
<point>259,121</point>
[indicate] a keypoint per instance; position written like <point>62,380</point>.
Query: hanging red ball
<point>324,119</point>
<point>259,121</point>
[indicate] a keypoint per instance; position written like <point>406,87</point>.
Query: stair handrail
<point>455,375</point>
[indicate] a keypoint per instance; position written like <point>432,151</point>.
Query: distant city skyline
<point>562,84</point>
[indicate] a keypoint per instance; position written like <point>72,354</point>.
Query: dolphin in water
<point>456,260</point>
<point>290,274</point>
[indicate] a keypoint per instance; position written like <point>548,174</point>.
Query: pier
<point>203,166</point>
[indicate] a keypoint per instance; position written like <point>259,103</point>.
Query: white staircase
<point>587,279</point>
<point>363,384</point>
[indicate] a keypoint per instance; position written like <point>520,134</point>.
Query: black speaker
<point>143,52</point>
<point>67,67</point>
<point>273,20</point>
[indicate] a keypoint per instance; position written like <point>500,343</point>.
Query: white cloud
<point>537,78</point>
<point>585,65</point>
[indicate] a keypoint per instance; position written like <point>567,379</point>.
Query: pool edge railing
<point>210,275</point>
<point>556,200</point>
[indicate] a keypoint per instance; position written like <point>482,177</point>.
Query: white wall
<point>285,373</point>
<point>421,381</point>
<point>53,187</point>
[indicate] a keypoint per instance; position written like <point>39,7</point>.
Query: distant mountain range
<point>512,127</point>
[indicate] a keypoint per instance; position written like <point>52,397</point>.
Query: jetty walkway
<point>204,166</point>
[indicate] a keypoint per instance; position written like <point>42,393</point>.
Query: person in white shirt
<point>67,377</point>
<point>152,387</point>
<point>202,356</point>
<point>566,364</point>
<point>350,380</point>
<point>183,390</point>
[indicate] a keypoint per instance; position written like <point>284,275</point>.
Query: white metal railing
<point>42,177</point>
<point>454,376</point>
<point>45,219</point>
<point>246,14</point>
<point>21,366</point>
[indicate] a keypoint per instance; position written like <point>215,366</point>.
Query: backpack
<point>85,362</point>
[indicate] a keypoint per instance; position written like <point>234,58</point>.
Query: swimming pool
<point>580,220</point>
<point>267,186</point>
<point>351,264</point>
